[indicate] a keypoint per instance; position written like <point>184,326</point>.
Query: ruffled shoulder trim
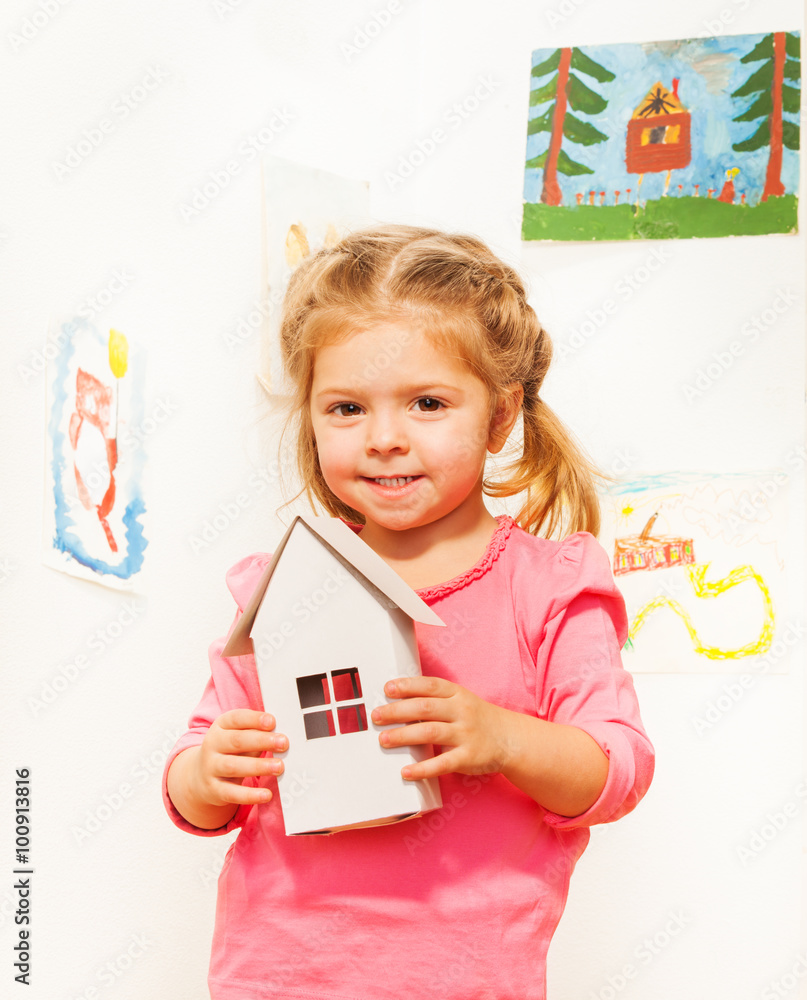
<point>495,548</point>
<point>572,550</point>
<point>583,567</point>
<point>242,579</point>
<point>582,551</point>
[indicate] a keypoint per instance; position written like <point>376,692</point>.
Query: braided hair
<point>455,290</point>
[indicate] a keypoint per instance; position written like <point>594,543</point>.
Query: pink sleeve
<point>584,682</point>
<point>233,683</point>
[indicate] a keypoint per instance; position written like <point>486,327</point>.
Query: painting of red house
<point>659,132</point>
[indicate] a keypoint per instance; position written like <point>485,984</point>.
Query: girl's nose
<point>385,434</point>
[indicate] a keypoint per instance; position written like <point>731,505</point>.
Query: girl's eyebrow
<point>426,389</point>
<point>431,388</point>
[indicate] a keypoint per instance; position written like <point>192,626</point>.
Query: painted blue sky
<point>709,70</point>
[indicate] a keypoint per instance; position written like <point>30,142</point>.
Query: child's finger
<point>410,687</point>
<point>438,733</point>
<point>414,709</point>
<point>251,741</point>
<point>246,718</point>
<point>243,795</point>
<point>232,766</point>
<point>442,763</point>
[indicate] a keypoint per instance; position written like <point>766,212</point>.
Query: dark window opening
<point>340,686</point>
<point>313,690</point>
<point>318,724</point>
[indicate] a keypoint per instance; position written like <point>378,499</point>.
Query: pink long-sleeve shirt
<point>460,904</point>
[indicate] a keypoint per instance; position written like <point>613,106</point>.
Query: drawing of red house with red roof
<point>645,552</point>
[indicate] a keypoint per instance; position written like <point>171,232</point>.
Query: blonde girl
<point>412,354</point>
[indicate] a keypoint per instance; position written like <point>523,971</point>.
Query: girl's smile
<point>394,484</point>
<point>404,443</point>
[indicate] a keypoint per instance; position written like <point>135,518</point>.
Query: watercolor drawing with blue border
<point>94,506</point>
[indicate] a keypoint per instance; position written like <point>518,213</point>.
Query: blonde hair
<point>454,289</point>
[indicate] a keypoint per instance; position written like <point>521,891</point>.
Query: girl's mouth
<point>392,486</point>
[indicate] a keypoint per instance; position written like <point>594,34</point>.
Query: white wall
<point>126,909</point>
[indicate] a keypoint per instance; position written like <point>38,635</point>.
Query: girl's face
<point>402,429</point>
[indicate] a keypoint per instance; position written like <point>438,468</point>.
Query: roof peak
<point>337,536</point>
<point>660,100</point>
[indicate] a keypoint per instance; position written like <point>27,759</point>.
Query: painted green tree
<point>565,90</point>
<point>781,51</point>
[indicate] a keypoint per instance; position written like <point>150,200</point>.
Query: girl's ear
<point>504,416</point>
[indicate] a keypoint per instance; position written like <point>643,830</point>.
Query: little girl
<point>412,353</point>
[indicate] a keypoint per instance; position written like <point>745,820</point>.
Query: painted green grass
<point>663,219</point>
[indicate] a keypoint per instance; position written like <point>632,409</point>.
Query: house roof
<point>659,101</point>
<point>334,534</point>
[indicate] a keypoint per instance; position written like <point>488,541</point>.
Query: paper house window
<point>340,689</point>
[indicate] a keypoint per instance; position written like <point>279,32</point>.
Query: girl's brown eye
<point>429,405</point>
<point>346,409</point>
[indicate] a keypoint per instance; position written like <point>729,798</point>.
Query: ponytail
<point>555,476</point>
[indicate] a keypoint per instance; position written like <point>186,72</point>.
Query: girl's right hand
<point>232,750</point>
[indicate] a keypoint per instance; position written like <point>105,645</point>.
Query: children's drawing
<point>699,561</point>
<point>665,148</point>
<point>645,551</point>
<point>93,496</point>
<point>304,210</point>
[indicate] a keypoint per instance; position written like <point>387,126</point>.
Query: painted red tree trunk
<point>551,193</point>
<point>773,182</point>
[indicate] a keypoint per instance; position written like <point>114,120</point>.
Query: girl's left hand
<point>477,737</point>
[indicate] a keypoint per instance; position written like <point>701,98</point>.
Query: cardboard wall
<point>95,685</point>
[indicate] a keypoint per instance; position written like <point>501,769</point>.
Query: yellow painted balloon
<point>118,353</point>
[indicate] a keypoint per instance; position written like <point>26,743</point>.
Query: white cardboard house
<point>330,623</point>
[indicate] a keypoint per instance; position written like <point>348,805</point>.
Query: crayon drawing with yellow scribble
<point>700,562</point>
